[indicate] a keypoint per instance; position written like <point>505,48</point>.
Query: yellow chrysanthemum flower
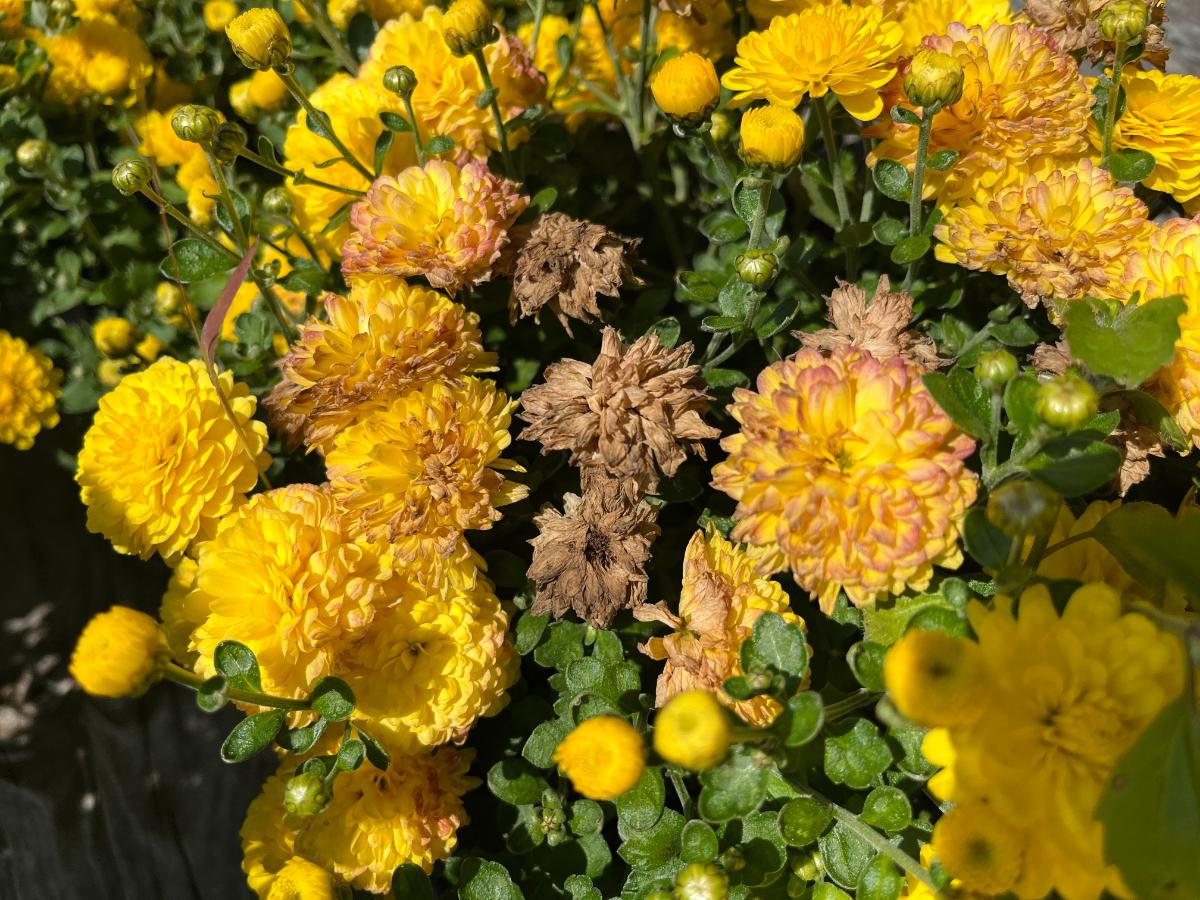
<point>97,58</point>
<point>120,653</point>
<point>771,136</point>
<point>686,87</point>
<point>260,38</point>
<point>1168,264</point>
<point>1056,236</point>
<point>162,462</point>
<point>848,50</point>
<point>113,335</point>
<point>1162,117</point>
<point>218,13</point>
<point>571,92</point>
<point>847,470</point>
<point>1022,99</point>
<point>447,223</point>
<point>934,678</point>
<point>382,340</point>
<point>263,92</point>
<point>922,18</point>
<point>29,389</point>
<point>300,879</point>
<point>429,463</point>
<point>121,12</point>
<point>178,615</point>
<point>284,577</point>
<point>721,598</point>
<point>603,757</point>
<point>1035,751</point>
<point>692,731</point>
<point>707,30</point>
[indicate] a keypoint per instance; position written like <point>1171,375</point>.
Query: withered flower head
<point>591,557</point>
<point>1052,359</point>
<point>1075,25</point>
<point>633,413</point>
<point>879,326</point>
<point>563,264</point>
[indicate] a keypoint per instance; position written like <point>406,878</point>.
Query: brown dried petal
<point>1074,26</point>
<point>1052,359</point>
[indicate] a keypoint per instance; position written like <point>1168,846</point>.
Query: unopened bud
<point>933,77</point>
<point>702,881</point>
<point>61,9</point>
<point>277,201</point>
<point>33,154</point>
<point>1066,402</point>
<point>168,298</point>
<point>757,268</point>
<point>772,136</point>
<point>195,123</point>
<point>131,176</point>
<point>400,80</point>
<point>996,369</point>
<point>722,125</point>
<point>1124,21</point>
<point>807,865</point>
<point>467,26</point>
<point>1020,508</point>
<point>686,88</point>
<point>260,38</point>
<point>229,141</point>
<point>306,794</point>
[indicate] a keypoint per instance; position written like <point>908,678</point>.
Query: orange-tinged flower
<point>922,18</point>
<point>846,470</point>
<point>848,50</point>
<point>438,220</point>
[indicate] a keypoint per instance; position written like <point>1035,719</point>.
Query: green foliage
<point>251,735</point>
<point>1126,343</point>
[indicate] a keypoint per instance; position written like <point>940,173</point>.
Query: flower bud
<point>149,348</point>
<point>467,26</point>
<point>260,38</point>
<point>686,88</point>
<point>61,9</point>
<point>772,136</point>
<point>806,865</point>
<point>1020,508</point>
<point>702,881</point>
<point>131,176</point>
<point>219,13</point>
<point>1124,21</point>
<point>195,123</point>
<point>306,794</point>
<point>229,141</point>
<point>996,369</point>
<point>692,731</point>
<point>1066,402</point>
<point>110,372</point>
<point>33,154</point>
<point>121,652</point>
<point>113,336</point>
<point>277,201</point>
<point>400,80</point>
<point>168,298</point>
<point>933,77</point>
<point>757,268</point>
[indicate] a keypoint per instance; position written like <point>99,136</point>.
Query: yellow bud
<point>934,678</point>
<point>119,654</point>
<point>113,336</point>
<point>219,13</point>
<point>933,77</point>
<point>168,298</point>
<point>772,136</point>
<point>604,757</point>
<point>692,731</point>
<point>1124,20</point>
<point>110,372</point>
<point>467,26</point>
<point>686,87</point>
<point>300,879</point>
<point>149,348</point>
<point>260,38</point>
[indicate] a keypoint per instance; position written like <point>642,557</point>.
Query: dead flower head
<point>878,326</point>
<point>562,264</point>
<point>1074,26</point>
<point>591,557</point>
<point>633,413</point>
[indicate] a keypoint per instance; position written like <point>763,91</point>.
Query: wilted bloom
<point>29,389</point>
<point>120,653</point>
<point>260,38</point>
<point>879,325</point>
<point>847,471</point>
<point>1074,25</point>
<point>686,88</point>
<point>771,136</point>
<point>438,220</point>
<point>603,757</point>
<point>933,77</point>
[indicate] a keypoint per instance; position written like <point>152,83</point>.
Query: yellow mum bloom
<point>934,678</point>
<point>97,58</point>
<point>1056,235</point>
<point>120,653</point>
<point>382,340</point>
<point>981,849</point>
<point>1022,99</point>
<point>218,13</point>
<point>721,598</point>
<point>429,463</point>
<point>1162,117</point>
<point>848,50</point>
<point>268,834</point>
<point>300,879</point>
<point>1165,265</point>
<point>686,87</point>
<point>603,757</point>
<point>570,92</point>
<point>438,220</point>
<point>262,92</point>
<point>29,389</point>
<point>847,470</point>
<point>179,616</point>
<point>771,136</point>
<point>162,463</point>
<point>121,12</point>
<point>692,731</point>
<point>922,18</point>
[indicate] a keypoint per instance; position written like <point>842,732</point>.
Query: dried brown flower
<point>562,264</point>
<point>1075,26</point>
<point>1137,444</point>
<point>591,557</point>
<point>633,413</point>
<point>879,326</point>
<point>1052,359</point>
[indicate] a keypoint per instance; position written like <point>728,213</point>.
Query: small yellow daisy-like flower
<point>113,336</point>
<point>218,13</point>
<point>99,59</point>
<point>847,470</point>
<point>934,678</point>
<point>603,757</point>
<point>382,340</point>
<point>29,389</point>
<point>983,851</point>
<point>686,87</point>
<point>260,38</point>
<point>1056,235</point>
<point>438,220</point>
<point>771,136</point>
<point>692,731</point>
<point>120,653</point>
<point>300,879</point>
<point>162,462</point>
<point>429,463</point>
<point>848,50</point>
<point>1022,99</point>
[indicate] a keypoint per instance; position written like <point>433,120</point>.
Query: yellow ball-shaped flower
<point>603,757</point>
<point>686,87</point>
<point>98,59</point>
<point>217,14</point>
<point>29,389</point>
<point>934,678</point>
<point>163,463</point>
<point>980,849</point>
<point>771,136</point>
<point>120,653</point>
<point>113,336</point>
<point>260,38</point>
<point>692,731</point>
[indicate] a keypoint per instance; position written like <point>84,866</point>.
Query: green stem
<point>539,12</point>
<point>847,705</point>
<point>915,209</point>
<point>171,210</point>
<point>759,222</point>
<point>685,799</point>
<point>418,141</point>
<point>321,21</point>
<point>825,119</point>
<point>1015,462</point>
<point>1066,542</point>
<point>1114,94</point>
<point>723,168</point>
<point>300,176</point>
<point>494,104</point>
<point>991,448</point>
<point>313,113</point>
<point>182,676</point>
<point>639,98</point>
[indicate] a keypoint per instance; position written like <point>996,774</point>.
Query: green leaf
<point>642,805</point>
<point>1015,333</point>
<point>301,740</point>
<point>902,115</point>
<point>885,624</point>
<point>1020,399</point>
<point>942,160</point>
<point>333,699</point>
<point>698,842</point>
<point>383,146</point>
<point>656,846</point>
<point>317,121</point>
<point>857,755</point>
<point>963,399</point>
<point>1130,166</point>
<point>394,122</point>
<point>339,218</point>
<point>866,662</point>
<point>485,98</point>
<point>987,544</point>
<point>1129,343</point>
<point>530,629</point>
<point>803,820</point>
<point>805,717</point>
<point>197,261</point>
<point>441,144</point>
<point>1153,546</point>
<point>515,782</point>
<point>482,879</point>
<point>543,741</point>
<point>722,227</point>
<point>763,848</point>
<point>733,298</point>
<point>376,755</point>
<point>856,234</point>
<point>667,330</point>
<point>910,249</point>
<point>889,231</point>
<point>237,663</point>
<point>307,277</point>
<point>580,887</point>
<point>733,789</point>
<point>887,808</point>
<point>252,734</point>
<point>880,880</point>
<point>1149,412</point>
<point>587,817</point>
<point>350,755</point>
<point>1100,108</point>
<point>564,644</point>
<point>211,695</point>
<point>409,882</point>
<point>827,891</point>
<point>893,180</point>
<point>725,378</point>
<point>845,854</point>
<point>1151,806</point>
<point>1075,465</point>
<point>775,644</point>
<point>543,200</point>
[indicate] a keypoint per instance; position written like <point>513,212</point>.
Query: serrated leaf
<point>543,741</point>
<point>251,735</point>
<point>775,644</point>
<point>486,880</point>
<point>733,789</point>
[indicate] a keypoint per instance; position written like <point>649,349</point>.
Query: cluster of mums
<point>846,472</point>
